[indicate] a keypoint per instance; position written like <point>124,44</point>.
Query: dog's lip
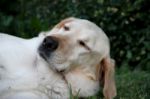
<point>41,53</point>
<point>61,71</point>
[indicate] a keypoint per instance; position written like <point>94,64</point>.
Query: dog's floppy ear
<point>107,78</point>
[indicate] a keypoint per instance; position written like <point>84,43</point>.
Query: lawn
<point>131,85</point>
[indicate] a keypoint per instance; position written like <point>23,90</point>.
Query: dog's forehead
<point>75,22</point>
<point>64,22</point>
<point>79,28</point>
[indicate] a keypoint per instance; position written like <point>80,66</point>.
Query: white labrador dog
<point>75,47</point>
<point>81,51</point>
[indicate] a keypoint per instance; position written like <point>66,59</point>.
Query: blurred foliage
<point>126,22</point>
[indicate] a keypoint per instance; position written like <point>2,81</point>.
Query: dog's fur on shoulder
<point>25,75</point>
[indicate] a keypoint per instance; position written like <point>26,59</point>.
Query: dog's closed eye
<point>66,28</point>
<point>83,44</point>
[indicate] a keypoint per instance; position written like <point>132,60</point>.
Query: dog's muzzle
<point>49,45</point>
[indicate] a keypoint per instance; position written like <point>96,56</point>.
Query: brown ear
<point>107,77</point>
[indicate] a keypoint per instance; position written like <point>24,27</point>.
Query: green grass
<point>133,85</point>
<point>130,85</point>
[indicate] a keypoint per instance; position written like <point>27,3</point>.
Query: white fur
<point>24,75</point>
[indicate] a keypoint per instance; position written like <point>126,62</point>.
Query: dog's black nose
<point>50,43</point>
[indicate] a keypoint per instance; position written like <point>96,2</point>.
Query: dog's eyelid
<point>66,28</point>
<point>82,43</point>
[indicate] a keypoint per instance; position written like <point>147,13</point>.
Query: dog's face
<point>74,42</point>
<point>80,48</point>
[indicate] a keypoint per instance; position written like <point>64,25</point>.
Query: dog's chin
<point>63,67</point>
<point>57,66</point>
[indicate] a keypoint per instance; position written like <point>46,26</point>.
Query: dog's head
<point>77,43</point>
<point>74,42</point>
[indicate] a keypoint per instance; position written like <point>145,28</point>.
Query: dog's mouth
<point>61,71</point>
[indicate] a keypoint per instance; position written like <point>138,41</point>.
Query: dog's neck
<point>82,81</point>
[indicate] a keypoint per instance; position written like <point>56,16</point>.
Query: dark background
<point>126,22</point>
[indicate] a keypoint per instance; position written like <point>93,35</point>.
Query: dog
<point>75,48</point>
<point>80,50</point>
